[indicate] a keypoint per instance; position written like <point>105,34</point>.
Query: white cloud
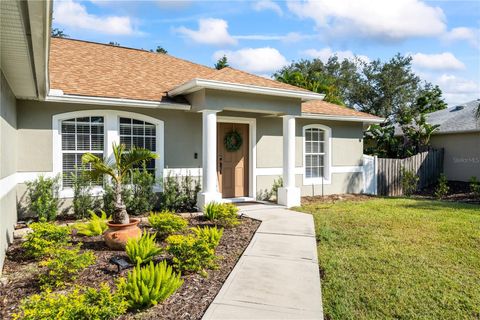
<point>470,35</point>
<point>457,90</point>
<point>210,31</point>
<point>74,15</point>
<point>289,37</point>
<point>325,53</point>
<point>268,5</point>
<point>439,61</point>
<point>258,60</point>
<point>381,19</point>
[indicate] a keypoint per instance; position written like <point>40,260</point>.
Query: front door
<point>232,166</point>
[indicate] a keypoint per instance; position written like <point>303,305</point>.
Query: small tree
<point>118,170</point>
<point>43,197</point>
<point>409,182</point>
<point>222,63</point>
<point>442,188</point>
<point>161,50</point>
<point>59,33</point>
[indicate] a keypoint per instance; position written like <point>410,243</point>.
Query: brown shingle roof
<point>330,109</point>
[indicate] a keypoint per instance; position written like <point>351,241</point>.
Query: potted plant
<point>121,228</point>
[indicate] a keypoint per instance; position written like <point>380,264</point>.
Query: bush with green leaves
<point>224,214</point>
<point>148,285</point>
<point>167,222</point>
<point>143,249</point>
<point>180,193</point>
<point>96,226</point>
<point>43,198</point>
<point>194,252</point>
<point>83,200</point>
<point>45,235</point>
<point>442,188</point>
<point>63,264</point>
<point>142,196</point>
<point>409,181</point>
<point>81,303</point>
<point>475,186</point>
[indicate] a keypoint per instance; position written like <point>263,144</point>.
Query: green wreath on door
<point>233,141</point>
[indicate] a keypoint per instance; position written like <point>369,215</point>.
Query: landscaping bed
<point>190,301</point>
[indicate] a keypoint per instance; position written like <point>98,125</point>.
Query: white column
<point>289,194</point>
<point>209,191</point>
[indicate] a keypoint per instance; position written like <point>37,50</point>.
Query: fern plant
<point>93,227</point>
<point>224,214</point>
<point>149,285</point>
<point>143,250</point>
<point>167,222</point>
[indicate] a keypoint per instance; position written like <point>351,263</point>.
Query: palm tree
<point>117,170</point>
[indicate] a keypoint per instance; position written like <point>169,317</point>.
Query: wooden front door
<point>232,166</point>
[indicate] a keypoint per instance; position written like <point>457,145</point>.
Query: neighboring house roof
<point>455,119</point>
<point>82,68</point>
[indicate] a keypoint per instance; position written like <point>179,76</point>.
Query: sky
<point>442,37</point>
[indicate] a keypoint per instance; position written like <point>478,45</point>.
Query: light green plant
<point>43,198</point>
<point>167,222</point>
<point>144,249</point>
<point>409,181</point>
<point>63,265</point>
<point>45,235</point>
<point>442,188</point>
<point>475,185</point>
<point>224,214</point>
<point>93,227</point>
<point>151,284</point>
<point>81,303</point>
<point>194,252</point>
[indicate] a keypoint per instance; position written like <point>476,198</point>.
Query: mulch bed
<point>459,191</point>
<point>189,302</point>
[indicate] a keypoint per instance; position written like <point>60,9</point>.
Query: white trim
<point>278,171</point>
<point>252,159</point>
<point>56,95</point>
<point>316,116</point>
<point>198,84</point>
<point>111,131</point>
<point>327,179</point>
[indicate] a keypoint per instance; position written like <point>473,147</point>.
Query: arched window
<point>94,131</point>
<point>316,154</point>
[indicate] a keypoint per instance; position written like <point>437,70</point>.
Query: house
<point>459,136</point>
<point>64,97</point>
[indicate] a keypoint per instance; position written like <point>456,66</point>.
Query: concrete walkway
<point>277,277</point>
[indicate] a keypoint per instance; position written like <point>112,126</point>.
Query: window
<point>316,152</point>
<point>140,134</point>
<point>79,136</point>
<point>94,131</point>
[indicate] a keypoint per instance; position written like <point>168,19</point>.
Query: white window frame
<point>111,135</point>
<point>327,179</point>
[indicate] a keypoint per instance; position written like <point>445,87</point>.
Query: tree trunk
<point>120,215</point>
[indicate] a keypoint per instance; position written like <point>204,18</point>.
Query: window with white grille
<point>140,134</point>
<point>315,153</point>
<point>79,136</point>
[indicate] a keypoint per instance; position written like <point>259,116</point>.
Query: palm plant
<point>118,169</point>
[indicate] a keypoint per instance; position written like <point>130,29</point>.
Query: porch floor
<point>277,276</point>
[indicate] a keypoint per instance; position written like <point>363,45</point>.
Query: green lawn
<point>398,259</point>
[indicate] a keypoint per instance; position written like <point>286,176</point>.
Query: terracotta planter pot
<point>117,235</point>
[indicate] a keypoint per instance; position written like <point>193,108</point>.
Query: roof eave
<point>58,96</point>
<point>198,84</point>
<point>340,118</point>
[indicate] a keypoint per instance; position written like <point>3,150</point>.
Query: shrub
<point>142,197</point>
<point>475,186</point>
<point>81,303</point>
<point>180,193</point>
<point>43,197</point>
<point>442,188</point>
<point>142,250</point>
<point>45,235</point>
<point>194,252</point>
<point>224,214</point>
<point>83,201</point>
<point>64,264</point>
<point>149,285</point>
<point>277,183</point>
<point>93,227</point>
<point>409,182</point>
<point>166,222</point>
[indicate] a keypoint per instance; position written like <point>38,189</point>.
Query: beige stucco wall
<point>462,154</point>
<point>8,150</point>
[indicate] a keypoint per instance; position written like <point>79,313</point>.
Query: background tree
<point>59,33</point>
<point>160,49</point>
<point>114,43</point>
<point>221,63</point>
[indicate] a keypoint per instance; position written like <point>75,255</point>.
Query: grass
<point>398,259</point>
